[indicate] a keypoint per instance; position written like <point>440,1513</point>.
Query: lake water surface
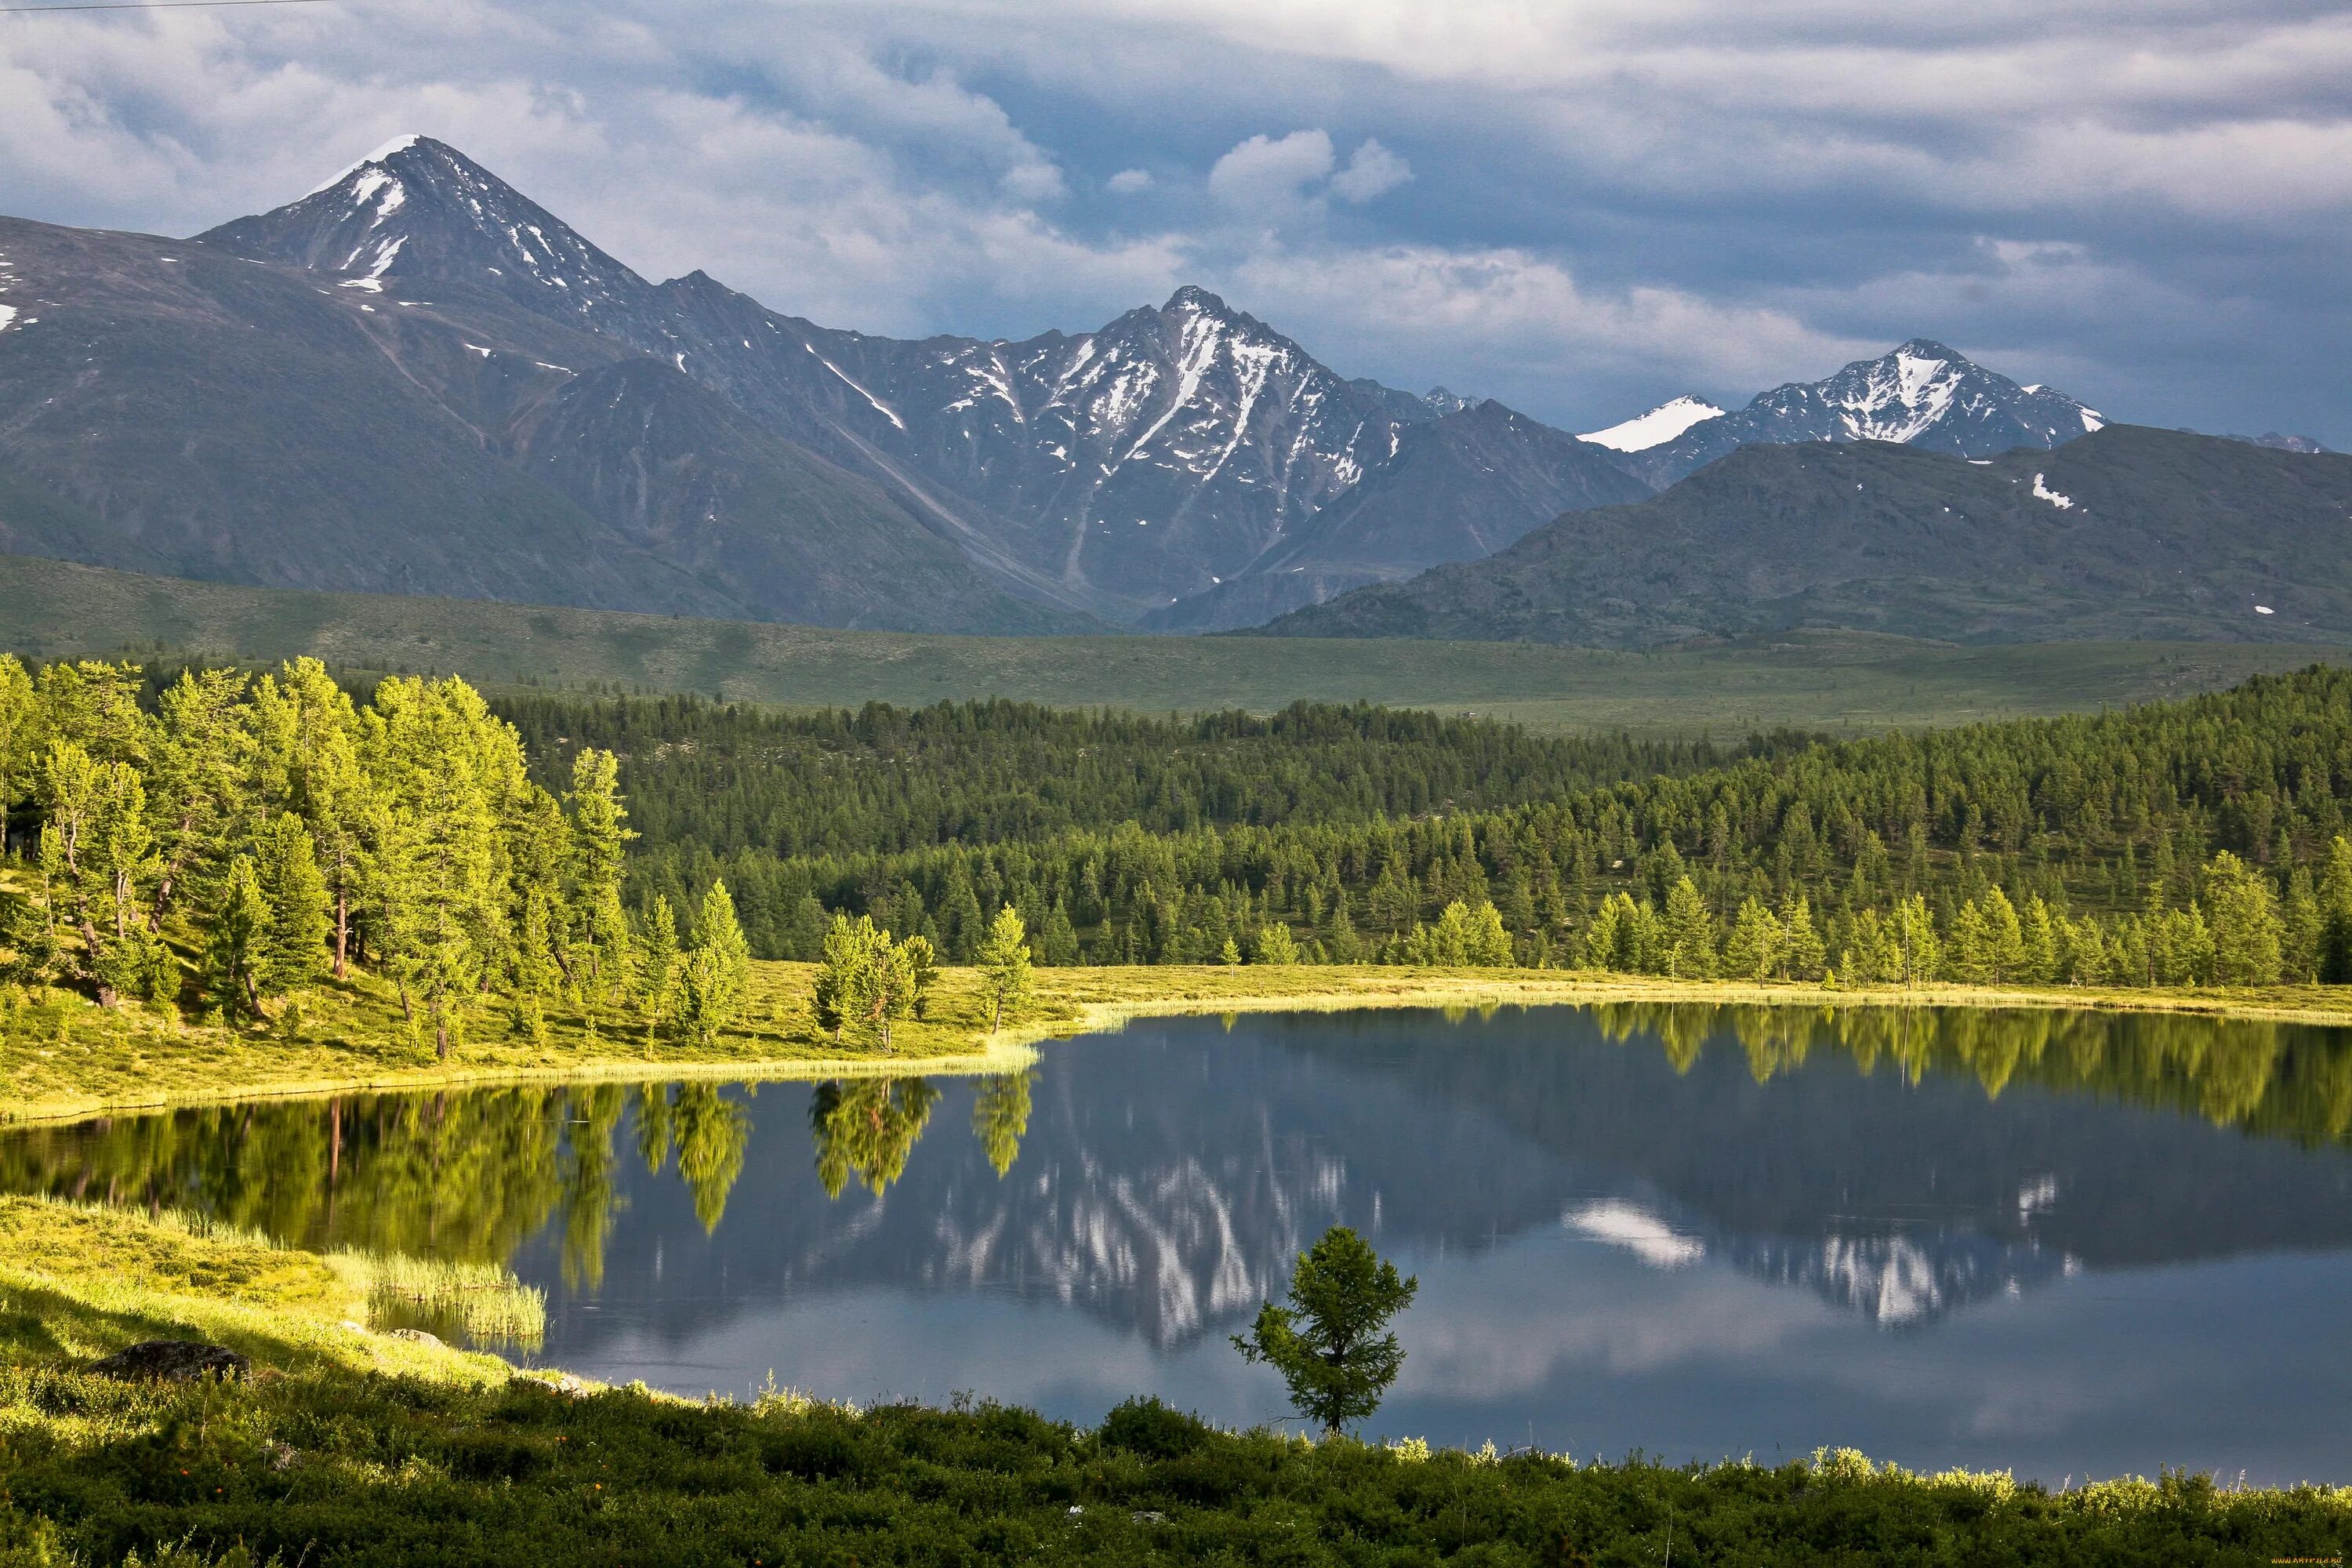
<point>2072,1245</point>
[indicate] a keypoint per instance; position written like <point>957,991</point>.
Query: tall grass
<point>482,1303</point>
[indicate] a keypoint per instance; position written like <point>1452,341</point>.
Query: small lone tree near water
<point>1330,1343</point>
<point>1003,961</point>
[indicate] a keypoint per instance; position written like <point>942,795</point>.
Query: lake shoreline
<point>955,1041</point>
<point>542,1464</point>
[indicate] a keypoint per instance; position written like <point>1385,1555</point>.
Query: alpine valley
<point>415,380</point>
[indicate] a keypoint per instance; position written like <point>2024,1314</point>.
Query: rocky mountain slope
<point>1116,471</point>
<point>1457,488</point>
<point>171,407</point>
<point>2128,533</point>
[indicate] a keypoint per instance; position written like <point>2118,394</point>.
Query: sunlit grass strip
<point>64,1058</point>
<point>177,1251</point>
<point>484,1302</point>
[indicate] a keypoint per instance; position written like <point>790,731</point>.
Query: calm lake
<point>2075,1245</point>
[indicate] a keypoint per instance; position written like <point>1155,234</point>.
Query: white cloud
<point>1787,181</point>
<point>1265,177</point>
<point>1506,316</point>
<point>1372,170</point>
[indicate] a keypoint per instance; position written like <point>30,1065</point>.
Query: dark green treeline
<point>2174,843</point>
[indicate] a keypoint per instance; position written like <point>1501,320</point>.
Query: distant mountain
<point>1116,471</point>
<point>2128,533</point>
<point>1661,424</point>
<point>2277,442</point>
<point>1457,488</point>
<point>1922,395</point>
<point>168,406</point>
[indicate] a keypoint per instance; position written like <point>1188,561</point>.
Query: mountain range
<point>2127,532</point>
<point>415,379</point>
<point>1922,394</point>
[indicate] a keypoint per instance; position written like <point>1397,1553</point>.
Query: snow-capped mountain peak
<point>1921,393</point>
<point>416,208</point>
<point>1663,423</point>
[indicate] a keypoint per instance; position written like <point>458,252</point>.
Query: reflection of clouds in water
<point>1538,1312</point>
<point>1638,1231</point>
<point>905,1345</point>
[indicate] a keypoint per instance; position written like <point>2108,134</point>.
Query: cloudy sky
<point>1581,208</point>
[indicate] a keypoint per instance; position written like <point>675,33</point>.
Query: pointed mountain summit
<point>1920,393</point>
<point>419,208</point>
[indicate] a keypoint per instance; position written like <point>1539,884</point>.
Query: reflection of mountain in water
<point>1168,1177</point>
<point>1899,1280</point>
<point>1163,1184</point>
<point>1165,1179</point>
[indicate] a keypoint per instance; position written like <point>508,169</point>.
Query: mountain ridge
<point>2127,531</point>
<point>1919,392</point>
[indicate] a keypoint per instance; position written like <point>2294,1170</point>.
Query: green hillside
<point>1837,681</point>
<point>2128,533</point>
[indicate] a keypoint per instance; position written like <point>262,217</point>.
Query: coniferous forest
<point>217,839</point>
<point>2186,843</point>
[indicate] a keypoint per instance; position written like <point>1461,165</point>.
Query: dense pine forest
<point>2193,842</point>
<point>215,840</point>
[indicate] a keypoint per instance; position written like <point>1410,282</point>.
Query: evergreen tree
<point>658,961</point>
<point>1753,949</point>
<point>2335,912</point>
<point>307,740</point>
<point>2302,930</point>
<point>1330,1343</point>
<point>286,869</point>
<point>1968,946</point>
<point>2244,918</point>
<point>1805,955</point>
<point>715,981</point>
<point>1275,944</point>
<point>1057,942</point>
<point>1690,933</point>
<point>1003,960</point>
<point>19,718</point>
<point>237,944</point>
<point>201,783</point>
<point>600,841</point>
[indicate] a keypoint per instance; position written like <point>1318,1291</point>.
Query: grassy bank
<point>348,1445</point>
<point>61,1058</point>
<point>1845,681</point>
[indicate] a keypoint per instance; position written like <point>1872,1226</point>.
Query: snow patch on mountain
<point>2043,492</point>
<point>397,145</point>
<point>1663,423</point>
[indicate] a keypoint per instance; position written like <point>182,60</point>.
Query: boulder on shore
<point>173,1360</point>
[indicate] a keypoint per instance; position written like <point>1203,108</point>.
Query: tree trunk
<point>106,997</point>
<point>343,930</point>
<point>171,876</point>
<point>440,1037</point>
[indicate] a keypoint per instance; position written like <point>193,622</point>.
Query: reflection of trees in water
<point>708,1131</point>
<point>466,1176</point>
<point>469,1176</point>
<point>867,1127</point>
<point>1000,1115</point>
<point>2285,1080</point>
